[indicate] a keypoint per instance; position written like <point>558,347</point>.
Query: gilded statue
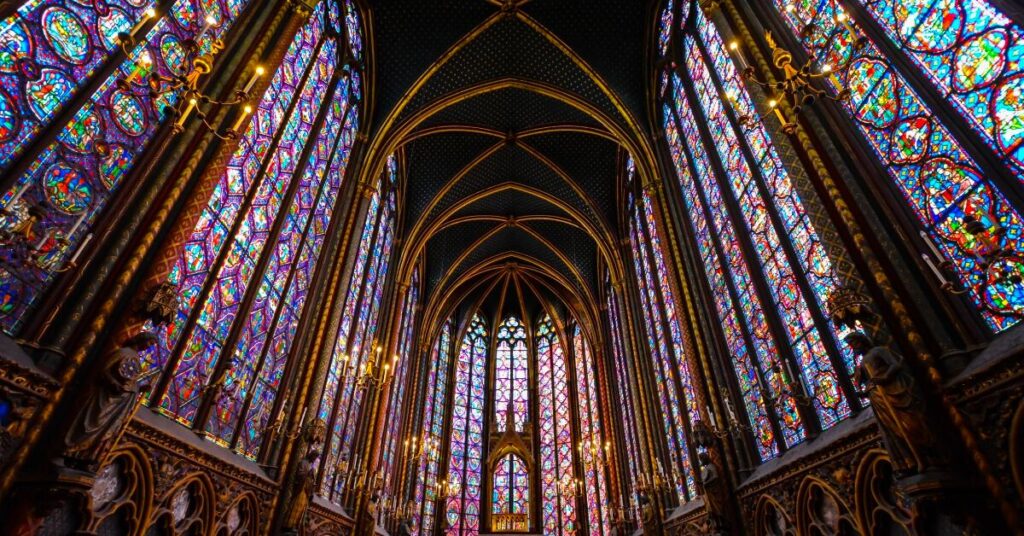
<point>301,493</point>
<point>107,404</point>
<point>899,406</point>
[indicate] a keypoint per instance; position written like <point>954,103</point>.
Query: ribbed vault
<point>513,135</point>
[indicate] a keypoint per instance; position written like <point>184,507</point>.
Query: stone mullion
<point>190,324</point>
<point>748,338</point>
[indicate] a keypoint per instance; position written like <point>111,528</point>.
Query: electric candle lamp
<point>252,81</point>
<point>188,110</point>
<point>146,15</point>
<point>238,124</point>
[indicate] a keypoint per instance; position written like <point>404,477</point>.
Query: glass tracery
<point>592,446</point>
<point>434,416</point>
<point>512,374</point>
<point>556,442</point>
<point>51,49</point>
<point>466,439</point>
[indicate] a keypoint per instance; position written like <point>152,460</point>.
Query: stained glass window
<point>467,435</point>
<point>434,417</point>
<point>245,271</point>
<point>970,53</point>
<point>402,362</point>
<point>760,249</point>
<point>556,446</point>
<point>511,486</point>
<point>355,345</point>
<point>51,49</point>
<point>625,391</point>
<point>592,447</point>
<point>511,374</point>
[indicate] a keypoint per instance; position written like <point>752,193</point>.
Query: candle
<point>303,417</point>
<point>931,245</point>
<point>44,240</point>
<point>735,47</point>
<point>252,81</point>
<point>188,110</point>
<point>148,14</point>
<point>774,105</point>
<point>85,242</point>
<point>238,124</point>
<point>711,417</point>
<point>935,269</point>
<point>844,19</point>
<point>208,22</point>
<point>78,223</point>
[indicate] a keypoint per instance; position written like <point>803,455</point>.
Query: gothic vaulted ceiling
<point>512,119</point>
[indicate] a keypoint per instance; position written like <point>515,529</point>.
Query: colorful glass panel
<point>466,441</point>
<point>242,250</point>
<point>511,375</point>
<point>972,53</point>
<point>943,185</point>
<point>60,197</point>
<point>556,463</point>
<point>511,487</point>
<point>819,377</point>
<point>434,416</point>
<point>593,453</point>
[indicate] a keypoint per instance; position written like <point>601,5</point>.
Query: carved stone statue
<point>899,407</point>
<point>715,493</point>
<point>107,405</point>
<point>302,492</point>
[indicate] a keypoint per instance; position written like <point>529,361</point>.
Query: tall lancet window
<point>402,362</point>
<point>624,388</point>
<point>354,343</point>
<point>467,435</point>
<point>557,479</point>
<point>511,374</point>
<point>53,52</point>
<point>664,335</point>
<point>434,417</point>
<point>966,54</point>
<point>245,270</point>
<point>769,271</point>
<point>511,487</point>
<point>593,447</point>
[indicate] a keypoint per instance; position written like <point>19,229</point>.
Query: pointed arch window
<point>556,445</point>
<point>511,374</point>
<point>967,54</point>
<point>593,447</point>
<point>403,365</point>
<point>511,485</point>
<point>354,343</point>
<point>52,51</point>
<point>466,458</point>
<point>769,272</point>
<point>625,391</point>
<point>245,270</point>
<point>434,416</point>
